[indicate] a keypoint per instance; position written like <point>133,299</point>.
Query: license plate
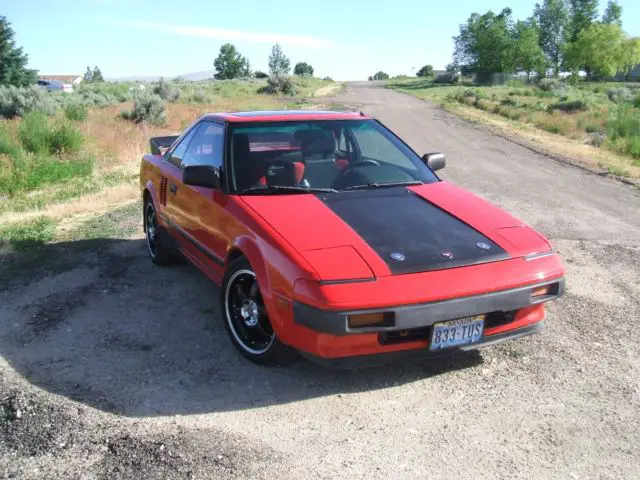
<point>457,332</point>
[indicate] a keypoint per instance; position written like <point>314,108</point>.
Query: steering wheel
<point>351,166</point>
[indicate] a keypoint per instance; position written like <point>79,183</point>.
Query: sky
<point>343,39</point>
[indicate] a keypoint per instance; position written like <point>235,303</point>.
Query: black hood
<point>409,233</point>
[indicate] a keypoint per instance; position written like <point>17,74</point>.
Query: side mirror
<point>435,160</point>
<point>201,176</point>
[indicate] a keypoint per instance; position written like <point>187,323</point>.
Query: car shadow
<point>97,322</point>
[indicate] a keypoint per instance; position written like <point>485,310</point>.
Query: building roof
<point>60,78</point>
<point>286,115</point>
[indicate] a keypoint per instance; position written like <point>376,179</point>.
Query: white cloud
<point>228,35</point>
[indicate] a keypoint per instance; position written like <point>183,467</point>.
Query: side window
<point>206,148</point>
<point>375,145</point>
<point>176,155</point>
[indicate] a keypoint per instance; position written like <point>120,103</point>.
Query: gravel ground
<point>114,368</point>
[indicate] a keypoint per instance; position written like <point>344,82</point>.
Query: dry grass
<point>577,150</point>
<point>573,123</point>
<point>116,145</point>
<point>328,90</point>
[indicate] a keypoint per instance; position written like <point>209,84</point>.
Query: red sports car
<point>331,237</point>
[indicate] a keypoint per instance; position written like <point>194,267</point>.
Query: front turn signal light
<point>371,320</point>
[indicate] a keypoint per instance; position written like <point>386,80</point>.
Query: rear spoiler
<point>159,145</point>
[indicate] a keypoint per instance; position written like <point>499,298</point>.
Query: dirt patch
<point>44,437</point>
<point>30,427</point>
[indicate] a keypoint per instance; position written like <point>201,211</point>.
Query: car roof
<point>285,116</point>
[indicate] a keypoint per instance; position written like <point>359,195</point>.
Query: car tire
<point>245,317</point>
<point>158,252</point>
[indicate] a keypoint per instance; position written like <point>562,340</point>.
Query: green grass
<point>28,234</point>
<point>40,135</point>
<point>46,153</point>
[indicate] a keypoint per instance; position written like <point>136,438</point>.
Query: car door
<point>201,214</point>
<point>171,187</point>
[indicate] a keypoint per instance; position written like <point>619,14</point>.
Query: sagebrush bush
<point>551,85</point>
<point>280,84</point>
<point>38,135</point>
<point>198,96</point>
<point>18,101</point>
<point>620,95</point>
<point>166,91</point>
<point>149,108</point>
<point>75,111</point>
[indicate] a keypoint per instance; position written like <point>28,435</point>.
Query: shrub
<point>623,128</point>
<point>570,106</point>
<point>551,85</point>
<point>259,74</point>
<point>326,79</point>
<point>620,95</point>
<point>34,132</point>
<point>18,101</point>
<point>38,136</point>
<point>447,78</point>
<point>64,138</point>
<point>483,104</point>
<point>75,111</point>
<point>147,108</point>
<point>278,83</point>
<point>30,233</point>
<point>636,101</point>
<point>166,91</point>
<point>199,96</point>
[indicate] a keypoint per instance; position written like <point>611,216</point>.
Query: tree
<point>259,74</point>
<point>13,62</point>
<point>230,64</point>
<point>380,75</point>
<point>426,71</point>
<point>528,54</point>
<point>553,21</point>
<point>613,13</point>
<point>279,64</point>
<point>602,47</point>
<point>96,75</point>
<point>583,14</point>
<point>486,44</point>
<point>88,75</point>
<point>630,55</point>
<point>303,68</point>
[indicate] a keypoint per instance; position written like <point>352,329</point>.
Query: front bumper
<point>379,359</point>
<point>425,315</point>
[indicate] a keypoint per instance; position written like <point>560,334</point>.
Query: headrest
<point>287,174</point>
<point>321,143</point>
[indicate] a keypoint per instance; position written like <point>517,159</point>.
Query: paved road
<point>137,341</point>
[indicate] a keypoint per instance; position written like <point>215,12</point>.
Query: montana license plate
<point>457,332</point>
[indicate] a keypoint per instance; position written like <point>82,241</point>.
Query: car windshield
<point>325,155</point>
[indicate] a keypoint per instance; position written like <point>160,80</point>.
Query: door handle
<point>173,188</point>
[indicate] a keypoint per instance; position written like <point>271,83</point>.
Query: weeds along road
<point>159,391</point>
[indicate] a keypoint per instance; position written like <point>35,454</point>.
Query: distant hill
<point>194,77</point>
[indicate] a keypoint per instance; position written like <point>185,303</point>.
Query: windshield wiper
<point>266,189</point>
<point>368,186</point>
